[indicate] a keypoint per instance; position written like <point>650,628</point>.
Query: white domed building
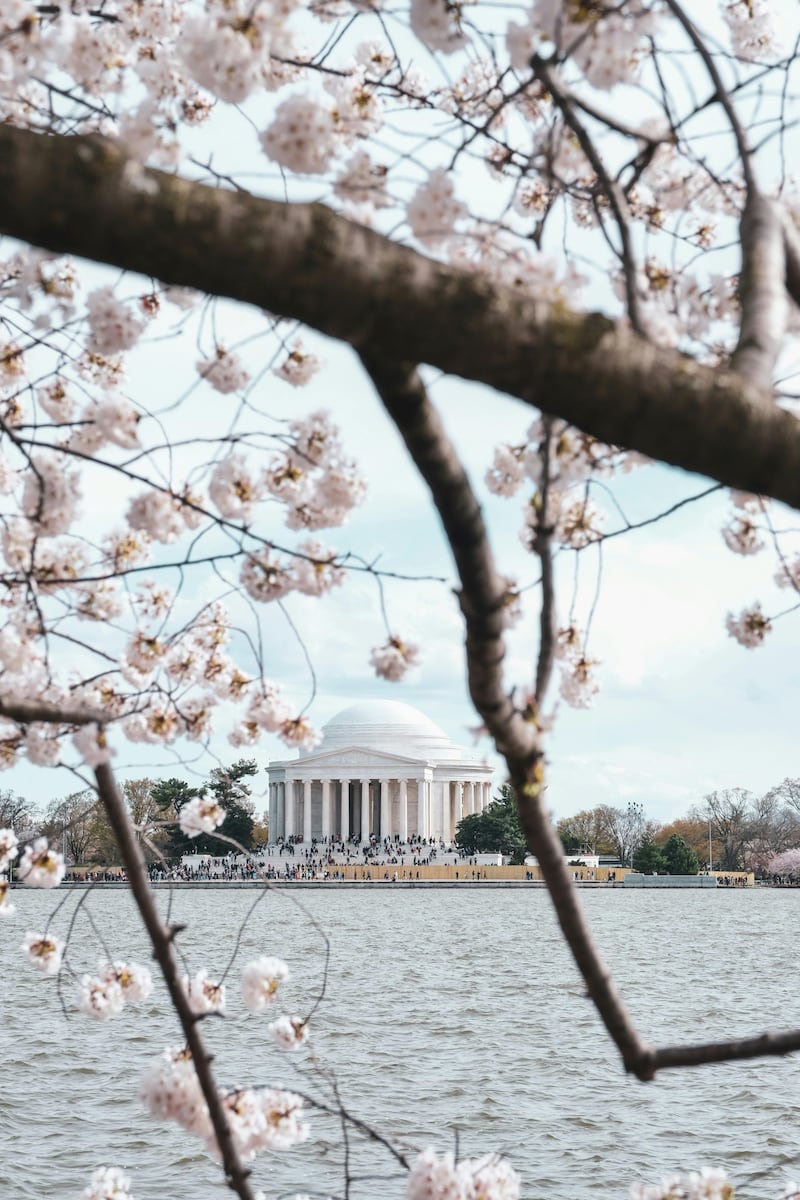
<point>382,769</point>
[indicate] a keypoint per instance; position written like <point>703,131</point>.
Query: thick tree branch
<point>164,954</point>
<point>81,195</point>
<point>26,712</point>
<point>405,399</point>
<point>404,396</point>
<point>791,249</point>
<point>762,291</point>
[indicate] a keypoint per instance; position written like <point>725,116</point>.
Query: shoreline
<point>372,884</point>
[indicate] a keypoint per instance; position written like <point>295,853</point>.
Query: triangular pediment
<point>353,759</point>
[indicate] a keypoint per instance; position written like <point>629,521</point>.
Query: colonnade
<point>422,807</point>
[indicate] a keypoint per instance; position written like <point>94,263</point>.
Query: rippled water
<point>448,1013</point>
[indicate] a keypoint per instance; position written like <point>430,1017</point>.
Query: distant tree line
<point>78,826</point>
<point>730,829</point>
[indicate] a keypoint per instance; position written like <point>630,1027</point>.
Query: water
<point>448,1013</point>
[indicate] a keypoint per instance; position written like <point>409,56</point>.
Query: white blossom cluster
<point>578,685</point>
<point>40,866</point>
<point>259,1119</point>
<point>203,814</point>
<point>203,994</point>
<point>44,952</point>
<point>394,658</point>
<point>709,1184</point>
<point>108,1183</point>
<point>116,984</point>
<point>750,627</point>
<point>440,1177</point>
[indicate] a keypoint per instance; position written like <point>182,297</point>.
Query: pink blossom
<point>41,867</point>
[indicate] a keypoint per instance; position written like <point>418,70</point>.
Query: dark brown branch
<point>404,396</point>
<point>164,954</point>
<point>26,712</point>
<point>762,291</point>
<point>349,282</point>
<point>763,1045</point>
<point>543,547</point>
<point>791,249</point>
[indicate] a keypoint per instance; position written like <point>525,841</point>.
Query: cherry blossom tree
<point>585,206</point>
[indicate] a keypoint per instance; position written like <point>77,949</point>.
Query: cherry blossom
<point>134,981</point>
<point>434,209</point>
<point>750,627</point>
<point>100,997</point>
<point>204,995</point>
<point>289,1032</point>
<point>301,136</point>
<point>202,814</point>
<point>8,847</point>
<point>223,371</point>
<point>7,909</point>
<point>41,867</point>
<point>108,1183</point>
<point>394,658</point>
<point>261,978</point>
<point>299,366</point>
<point>44,951</point>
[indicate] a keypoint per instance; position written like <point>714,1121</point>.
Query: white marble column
<point>307,811</point>
<point>384,808</point>
<point>487,795</point>
<point>280,821</point>
<point>289,812</point>
<point>471,798</point>
<point>344,824</point>
<point>458,807</point>
<point>272,811</point>
<point>423,800</point>
<point>365,829</point>
<point>326,809</point>
<point>403,830</point>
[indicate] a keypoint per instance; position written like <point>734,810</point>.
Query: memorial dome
<point>390,726</point>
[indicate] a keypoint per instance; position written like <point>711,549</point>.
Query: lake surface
<point>449,1014</point>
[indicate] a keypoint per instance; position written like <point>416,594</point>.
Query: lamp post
<point>710,861</point>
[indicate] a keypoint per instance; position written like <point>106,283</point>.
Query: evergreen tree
<point>648,859</point>
<point>680,858</point>
<point>494,831</point>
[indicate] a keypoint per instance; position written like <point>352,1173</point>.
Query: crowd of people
<point>293,859</point>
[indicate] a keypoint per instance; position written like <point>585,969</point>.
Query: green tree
<point>680,858</point>
<point>228,787</point>
<point>648,859</point>
<point>494,831</point>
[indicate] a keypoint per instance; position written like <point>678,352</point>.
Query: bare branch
<point>404,396</point>
<point>26,712</point>
<point>611,188</point>
<point>164,954</point>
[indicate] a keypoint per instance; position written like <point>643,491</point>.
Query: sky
<point>682,710</point>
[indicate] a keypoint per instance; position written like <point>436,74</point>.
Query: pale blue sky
<point>682,709</point>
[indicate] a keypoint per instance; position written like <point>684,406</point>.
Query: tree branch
<point>351,283</point>
<point>614,194</point>
<point>762,291</point>
<point>404,396</point>
<point>27,712</point>
<point>164,954</point>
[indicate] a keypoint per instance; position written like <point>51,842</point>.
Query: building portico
<point>383,770</point>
